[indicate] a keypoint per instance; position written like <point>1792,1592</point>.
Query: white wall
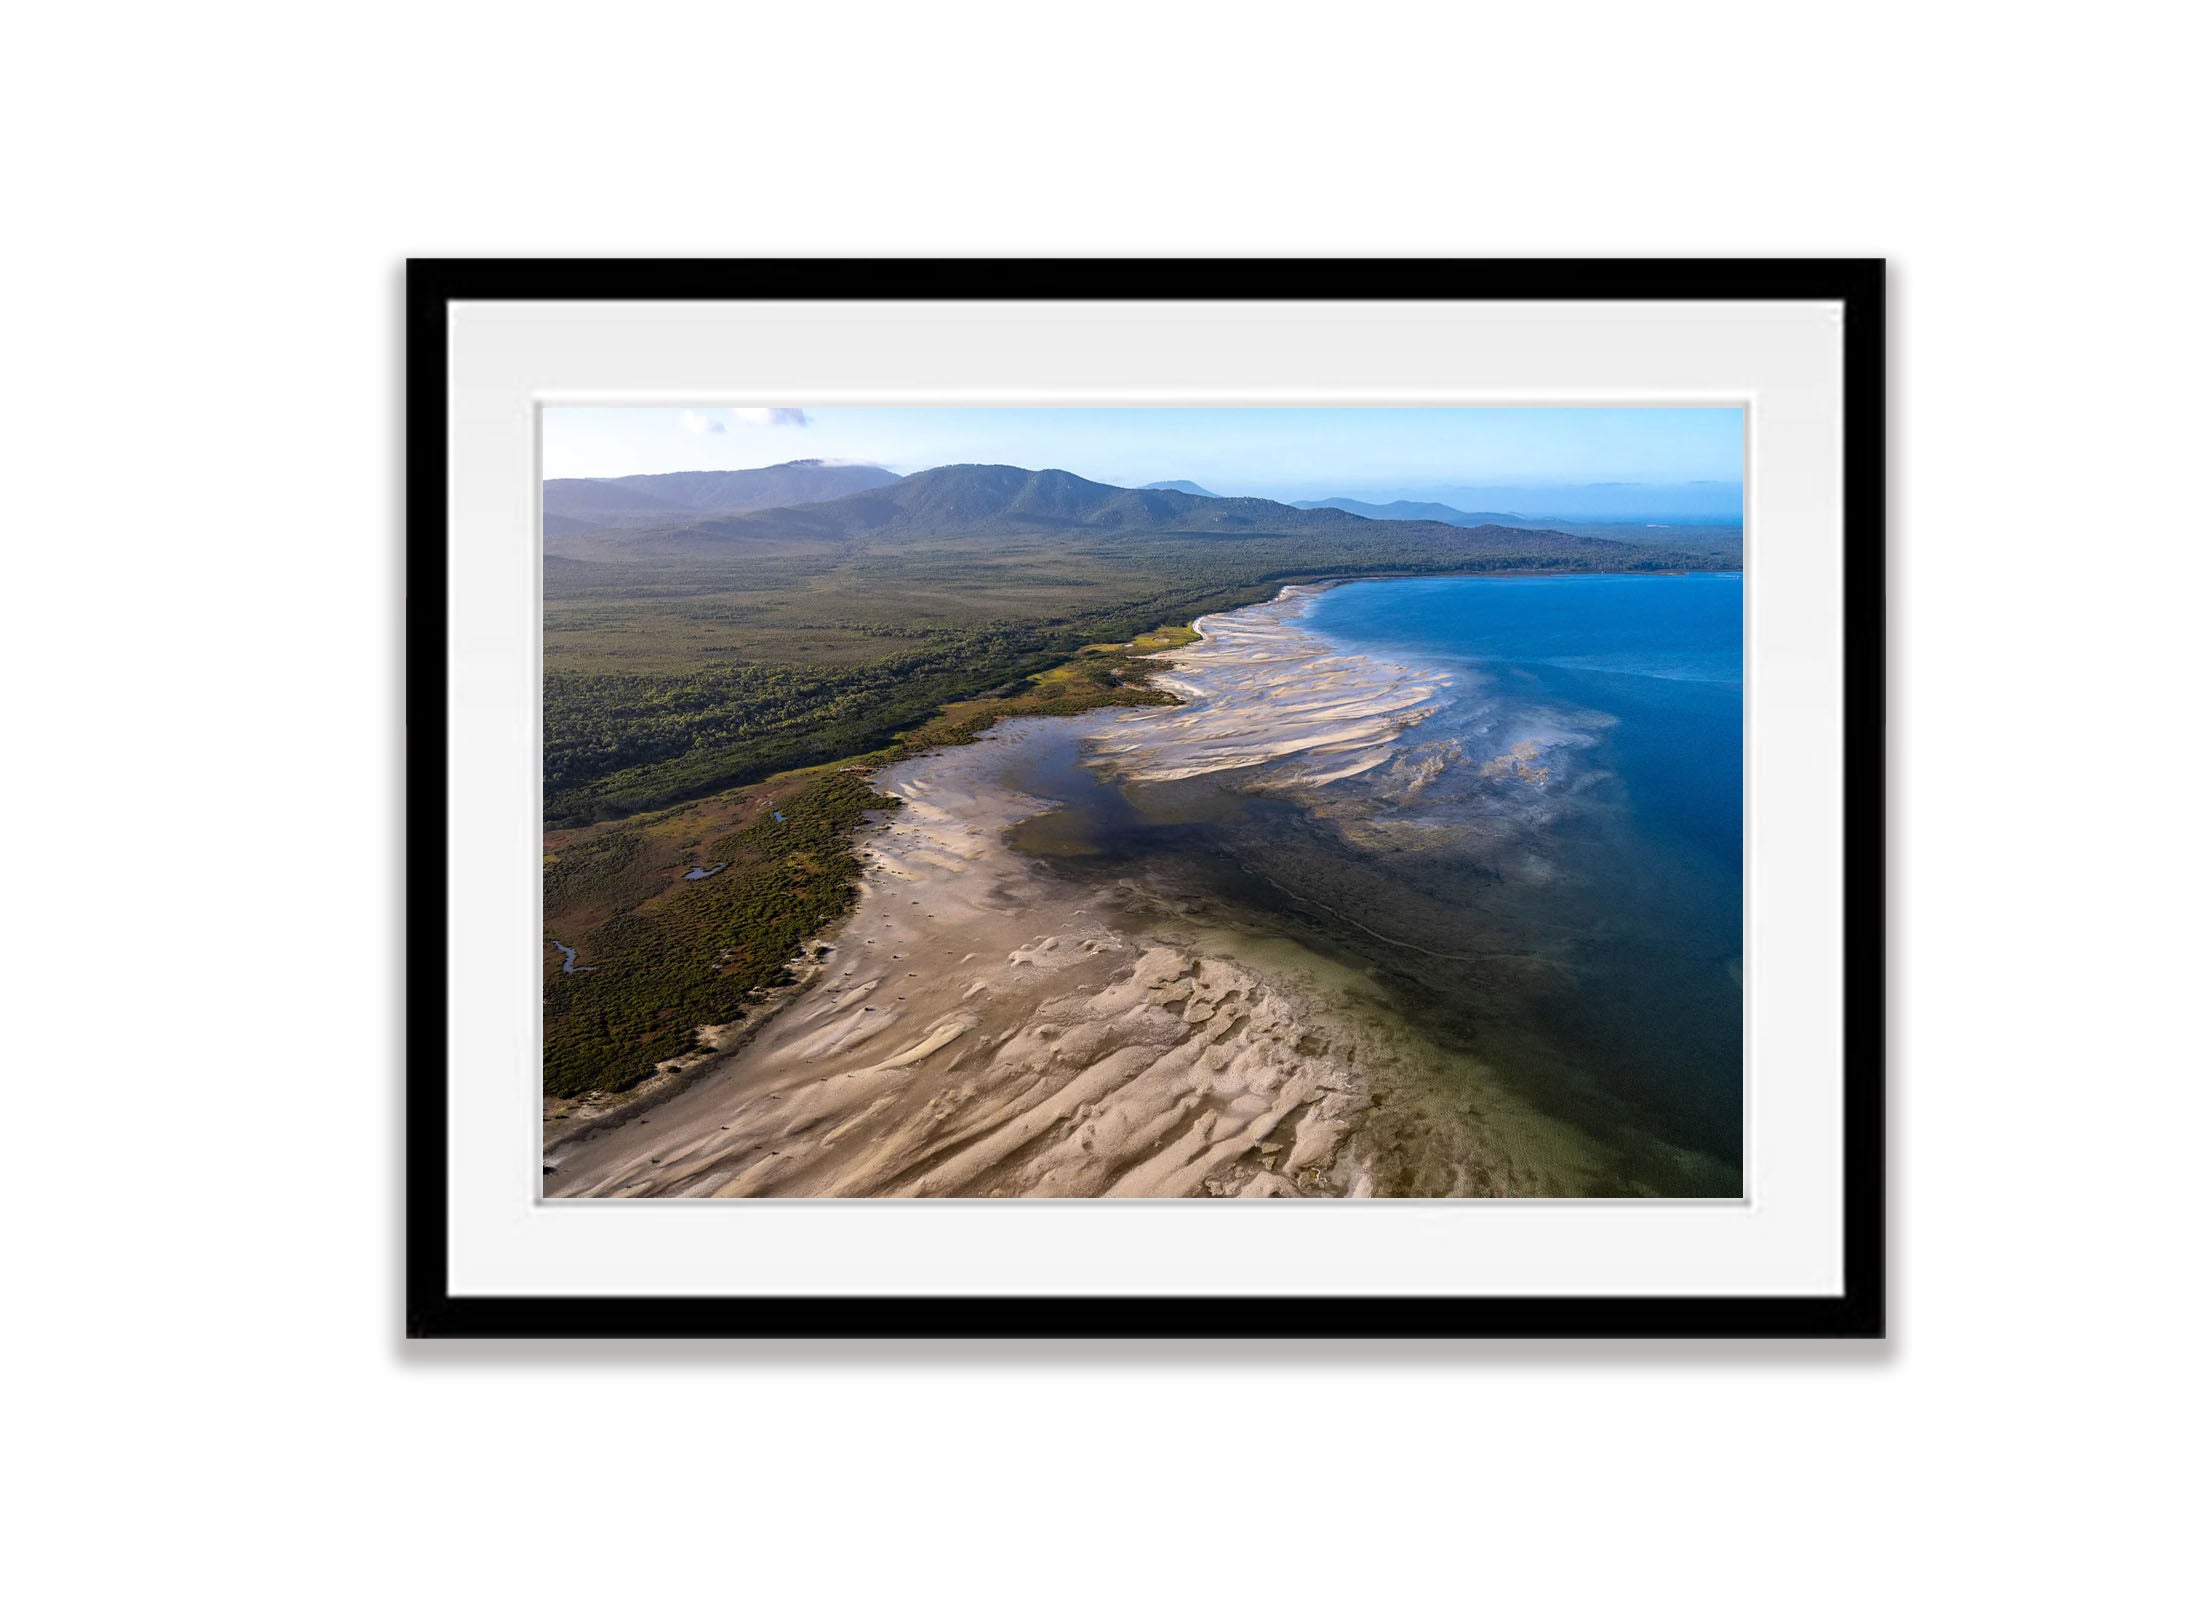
<point>210,204</point>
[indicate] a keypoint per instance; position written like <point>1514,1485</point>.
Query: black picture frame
<point>1859,1311</point>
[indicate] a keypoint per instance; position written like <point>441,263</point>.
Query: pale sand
<point>1260,693</point>
<point>984,1026</point>
<point>983,1029</point>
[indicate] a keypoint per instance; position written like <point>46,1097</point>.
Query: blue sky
<point>1611,461</point>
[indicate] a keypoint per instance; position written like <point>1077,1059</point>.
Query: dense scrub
<point>1099,675</point>
<point>625,742</point>
<point>618,743</point>
<point>683,954</point>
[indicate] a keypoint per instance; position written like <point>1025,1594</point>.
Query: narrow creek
<point>571,955</point>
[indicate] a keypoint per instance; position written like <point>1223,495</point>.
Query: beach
<point>980,1028</point>
<point>985,1023</point>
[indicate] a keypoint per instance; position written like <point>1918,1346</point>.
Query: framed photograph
<point>1146,798</point>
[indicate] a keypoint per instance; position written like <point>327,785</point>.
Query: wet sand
<point>981,1028</point>
<point>982,1025</point>
<point>1261,693</point>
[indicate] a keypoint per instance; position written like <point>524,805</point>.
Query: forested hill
<point>679,660</point>
<point>571,506</point>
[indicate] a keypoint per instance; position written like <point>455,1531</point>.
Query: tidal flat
<point>1427,887</point>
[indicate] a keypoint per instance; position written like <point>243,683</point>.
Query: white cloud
<point>698,422</point>
<point>772,416</point>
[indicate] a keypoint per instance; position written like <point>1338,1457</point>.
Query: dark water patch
<point>1547,872</point>
<point>1623,869</point>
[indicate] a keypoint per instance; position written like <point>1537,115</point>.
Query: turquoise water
<point>1546,874</point>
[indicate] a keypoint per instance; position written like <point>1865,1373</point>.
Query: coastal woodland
<point>716,690</point>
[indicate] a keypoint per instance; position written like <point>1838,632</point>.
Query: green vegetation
<point>669,955</point>
<point>681,661</point>
<point>624,741</point>
<point>699,678</point>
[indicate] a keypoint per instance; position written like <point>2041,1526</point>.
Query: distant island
<point>1423,511</point>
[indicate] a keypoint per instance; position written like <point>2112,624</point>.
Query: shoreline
<point>597,1109</point>
<point>1018,1033</point>
<point>984,1028</point>
<point>1262,692</point>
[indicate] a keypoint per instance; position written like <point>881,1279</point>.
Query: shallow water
<point>1540,862</point>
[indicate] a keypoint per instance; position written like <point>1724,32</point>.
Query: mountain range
<point>992,512</point>
<point>833,510</point>
<point>654,499</point>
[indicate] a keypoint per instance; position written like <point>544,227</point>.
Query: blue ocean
<point>1642,837</point>
<point>1541,867</point>
<point>1662,656</point>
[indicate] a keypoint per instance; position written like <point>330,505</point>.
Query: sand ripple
<point>981,1025</point>
<point>977,1030</point>
<point>1262,692</point>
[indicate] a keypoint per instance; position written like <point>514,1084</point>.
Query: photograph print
<point>1142,802</point>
